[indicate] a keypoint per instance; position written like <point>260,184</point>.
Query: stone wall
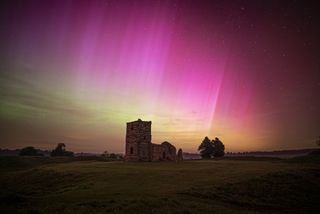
<point>156,152</point>
<point>138,140</point>
<point>164,151</point>
<point>139,146</point>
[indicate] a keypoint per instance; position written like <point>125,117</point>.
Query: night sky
<point>75,72</point>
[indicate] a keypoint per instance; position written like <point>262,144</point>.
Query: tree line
<point>60,150</point>
<point>208,149</point>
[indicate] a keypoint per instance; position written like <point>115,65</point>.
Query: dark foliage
<point>112,156</point>
<point>209,149</point>
<point>316,152</point>
<point>29,151</point>
<point>218,148</point>
<point>60,151</point>
<point>206,148</point>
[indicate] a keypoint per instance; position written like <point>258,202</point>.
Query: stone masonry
<point>140,148</point>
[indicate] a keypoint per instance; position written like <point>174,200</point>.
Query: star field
<point>76,71</point>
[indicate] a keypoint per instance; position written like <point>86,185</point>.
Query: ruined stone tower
<point>138,141</point>
<point>140,148</point>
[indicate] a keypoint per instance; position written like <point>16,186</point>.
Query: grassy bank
<point>55,185</point>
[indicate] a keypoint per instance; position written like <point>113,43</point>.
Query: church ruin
<point>140,148</point>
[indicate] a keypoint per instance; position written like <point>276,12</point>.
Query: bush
<point>29,151</point>
<point>60,151</point>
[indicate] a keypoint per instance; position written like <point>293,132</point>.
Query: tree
<point>113,156</point>
<point>218,148</point>
<point>209,149</point>
<point>29,151</point>
<point>60,151</point>
<point>206,148</point>
<point>105,154</point>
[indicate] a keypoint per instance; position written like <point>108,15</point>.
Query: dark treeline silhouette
<point>61,151</point>
<point>209,149</point>
<point>29,151</point>
<point>58,151</point>
<point>111,156</point>
<point>291,152</point>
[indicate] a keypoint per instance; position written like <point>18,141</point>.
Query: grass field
<point>249,185</point>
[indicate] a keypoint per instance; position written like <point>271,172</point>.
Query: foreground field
<point>58,185</point>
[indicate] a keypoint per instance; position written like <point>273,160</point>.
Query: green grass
<point>67,185</point>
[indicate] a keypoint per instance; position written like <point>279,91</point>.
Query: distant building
<point>139,146</point>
